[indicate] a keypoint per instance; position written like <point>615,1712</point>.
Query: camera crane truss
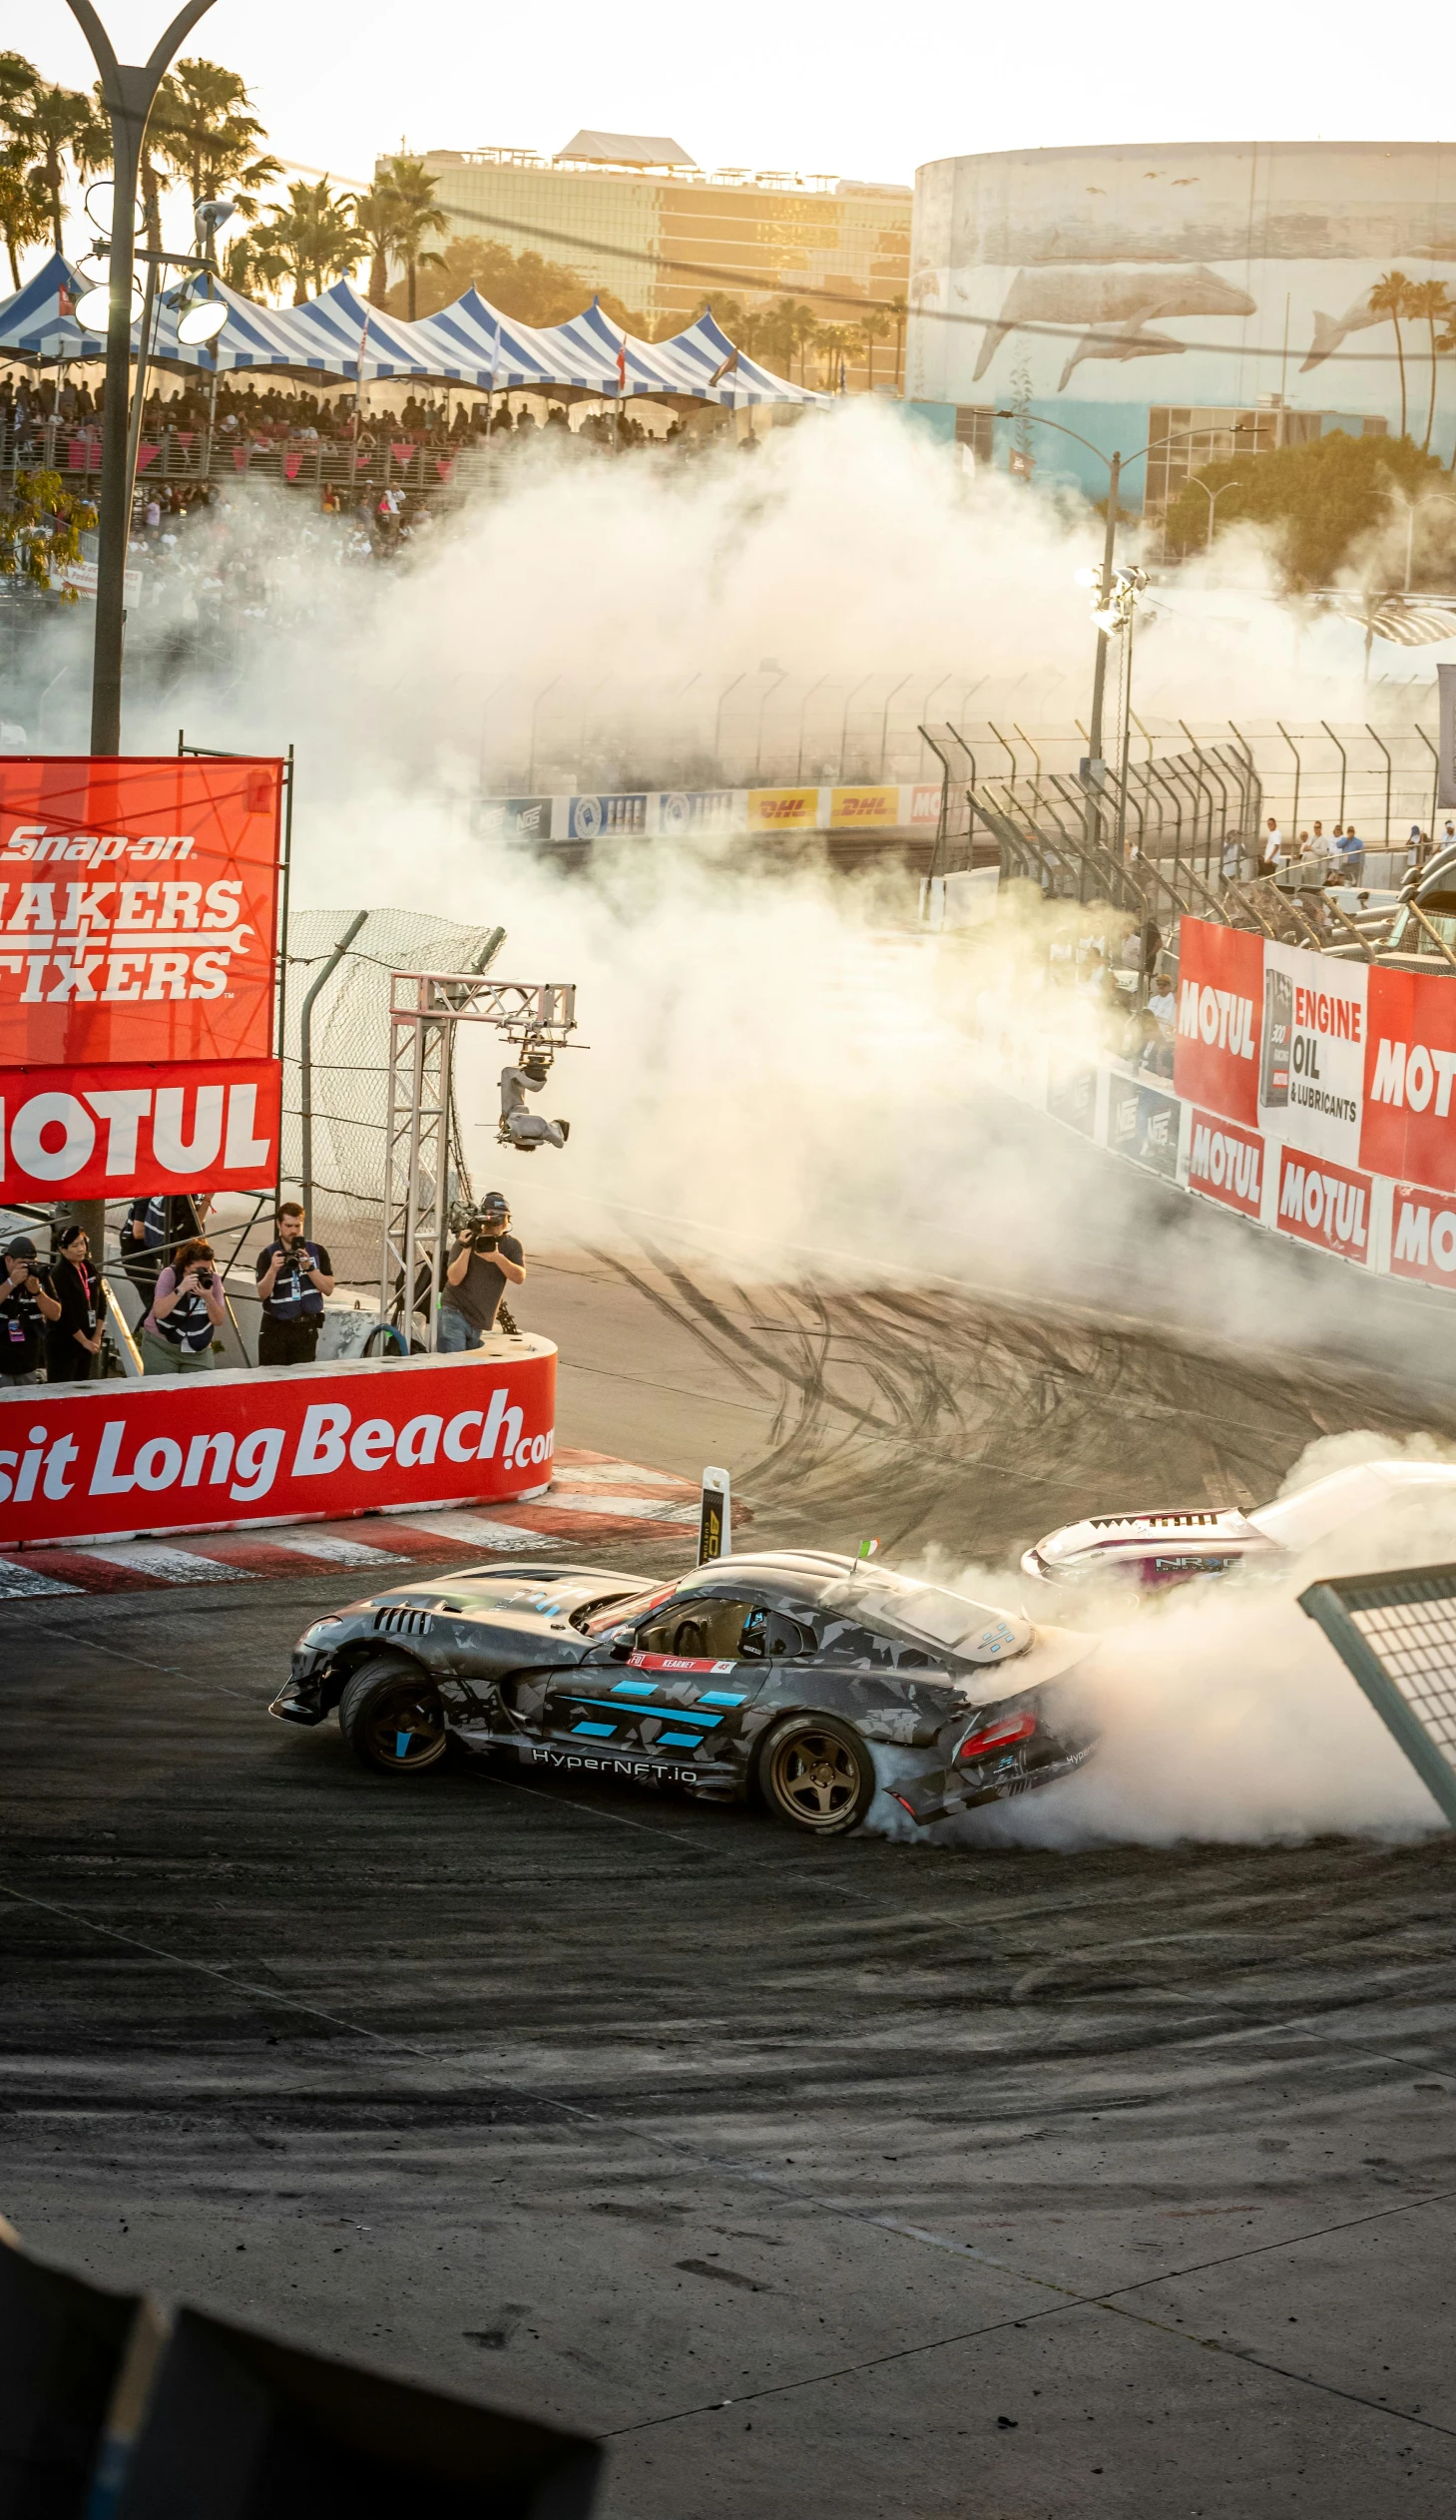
<point>424,1009</point>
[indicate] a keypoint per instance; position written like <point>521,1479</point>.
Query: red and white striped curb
<point>593,1501</point>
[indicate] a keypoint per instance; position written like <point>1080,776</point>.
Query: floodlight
<point>201,323</point>
<point>1086,577</point>
<point>92,307</point>
<point>1107,619</point>
<point>101,203</point>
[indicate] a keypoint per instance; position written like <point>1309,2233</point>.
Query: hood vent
<point>399,1620</point>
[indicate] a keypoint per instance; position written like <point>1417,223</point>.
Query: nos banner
<point>109,1131</point>
<point>138,903</point>
<point>92,1461</point>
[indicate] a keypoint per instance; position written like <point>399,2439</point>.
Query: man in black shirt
<point>484,1261</point>
<point>293,1276</point>
<point>26,1306</point>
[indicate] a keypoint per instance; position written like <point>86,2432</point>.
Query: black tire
<point>391,1717</point>
<point>817,1774</point>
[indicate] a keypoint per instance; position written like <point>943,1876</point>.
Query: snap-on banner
<point>1219,1005</point>
<point>109,1131</point>
<point>198,1452</point>
<point>138,905</point>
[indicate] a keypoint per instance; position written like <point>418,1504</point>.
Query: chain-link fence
<point>335,1106</point>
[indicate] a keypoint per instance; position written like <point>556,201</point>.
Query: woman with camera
<point>73,1343</point>
<point>177,1334</point>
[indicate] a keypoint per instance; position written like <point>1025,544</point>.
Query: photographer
<point>74,1342</point>
<point>293,1276</point>
<point>484,1261</point>
<point>27,1306</point>
<point>177,1334</point>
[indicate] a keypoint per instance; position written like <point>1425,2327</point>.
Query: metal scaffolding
<point>420,1162</point>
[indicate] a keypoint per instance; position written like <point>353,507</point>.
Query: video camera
<point>473,1223</point>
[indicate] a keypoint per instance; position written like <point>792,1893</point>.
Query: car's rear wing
<point>1397,1635</point>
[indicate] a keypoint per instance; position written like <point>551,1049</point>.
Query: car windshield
<point>598,1616</point>
<point>935,1617</point>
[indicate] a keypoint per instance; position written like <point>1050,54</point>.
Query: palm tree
<point>898,308</point>
<point>418,218</point>
<point>834,341</point>
<point>376,217</point>
<point>47,125</point>
<point>24,217</point>
<point>1391,296</point>
<point>310,243</point>
<point>200,126</point>
<point>1428,299</point>
<point>873,327</point>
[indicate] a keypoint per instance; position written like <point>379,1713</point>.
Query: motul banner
<point>1423,1236</point>
<point>138,903</point>
<point>1227,1163</point>
<point>87,1461</point>
<point>111,1132</point>
<point>1219,1004</point>
<point>1410,1063</point>
<point>1324,1204</point>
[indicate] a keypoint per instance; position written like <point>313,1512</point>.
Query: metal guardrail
<point>193,455</point>
<point>1397,1635</point>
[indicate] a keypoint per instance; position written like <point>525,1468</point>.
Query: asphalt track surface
<point>852,2179</point>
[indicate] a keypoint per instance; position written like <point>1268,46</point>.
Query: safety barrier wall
<point>307,1443</point>
<point>646,813</point>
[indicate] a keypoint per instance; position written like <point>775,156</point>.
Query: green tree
<point>1427,301</point>
<point>41,530</point>
<point>898,308</point>
<point>874,325</point>
<point>834,341</point>
<point>201,127</point>
<point>376,218</point>
<point>522,285</point>
<point>310,242</point>
<point>1319,502</point>
<point>1391,296</point>
<point>419,216</point>
<point>24,217</point>
<point>46,126</point>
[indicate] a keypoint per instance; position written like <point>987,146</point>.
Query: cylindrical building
<point>1136,294</point>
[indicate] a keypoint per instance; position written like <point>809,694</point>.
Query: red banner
<point>1219,1005</point>
<point>1410,1063</point>
<point>1227,1163</point>
<point>199,1451</point>
<point>111,1132</point>
<point>1423,1234</point>
<point>138,901</point>
<point>1324,1204</point>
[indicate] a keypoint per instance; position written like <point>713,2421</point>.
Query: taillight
<point>1012,1728</point>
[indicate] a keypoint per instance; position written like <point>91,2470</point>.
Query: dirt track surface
<point>855,2180</point>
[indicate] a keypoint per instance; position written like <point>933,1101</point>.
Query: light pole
<point>129,91</point>
<point>1212,497</point>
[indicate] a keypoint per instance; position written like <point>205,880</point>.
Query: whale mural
<point>1094,295</point>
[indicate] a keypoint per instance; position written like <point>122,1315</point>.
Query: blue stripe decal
<point>671,1715</point>
<point>604,1731</point>
<point>634,1688</point>
<point>677,1741</point>
<point>722,1698</point>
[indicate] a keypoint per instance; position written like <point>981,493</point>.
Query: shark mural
<point>1112,301</point>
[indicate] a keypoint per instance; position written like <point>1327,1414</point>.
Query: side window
<point>769,1636</point>
<point>699,1630</point>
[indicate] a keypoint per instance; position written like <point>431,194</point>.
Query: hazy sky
<point>856,92</point>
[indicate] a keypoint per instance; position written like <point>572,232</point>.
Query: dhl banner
<point>606,821</point>
<point>783,809</point>
<point>138,905</point>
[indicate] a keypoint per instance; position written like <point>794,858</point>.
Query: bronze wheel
<point>817,1774</point>
<point>391,1718</point>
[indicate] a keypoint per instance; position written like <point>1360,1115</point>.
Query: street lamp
<point>129,91</point>
<point>1212,497</point>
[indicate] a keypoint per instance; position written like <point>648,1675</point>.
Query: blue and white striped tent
<point>332,331</point>
<point>475,344</point>
<point>253,336</point>
<point>719,373</point>
<point>39,322</point>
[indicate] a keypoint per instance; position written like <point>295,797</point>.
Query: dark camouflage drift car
<point>780,1675</point>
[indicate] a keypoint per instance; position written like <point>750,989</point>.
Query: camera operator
<point>177,1334</point>
<point>293,1276</point>
<point>27,1306</point>
<point>485,1260</point>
